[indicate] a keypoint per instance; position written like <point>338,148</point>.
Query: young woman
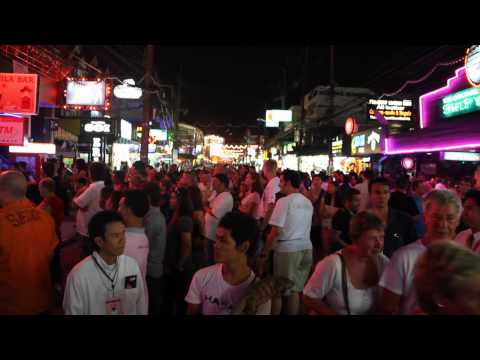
<point>250,202</point>
<point>198,240</point>
<point>178,254</point>
<point>347,282</point>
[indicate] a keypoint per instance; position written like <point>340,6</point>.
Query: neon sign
<point>472,65</point>
<point>462,102</point>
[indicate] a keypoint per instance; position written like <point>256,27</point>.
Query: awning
<point>452,135</point>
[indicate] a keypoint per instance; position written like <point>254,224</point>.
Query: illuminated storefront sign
<point>158,135</point>
<point>367,142</point>
<point>460,156</point>
<point>337,146</point>
<point>82,94</point>
<point>127,90</point>
<point>11,131</point>
<point>19,93</point>
<point>278,116</point>
<point>125,129</point>
<point>97,127</point>
<point>351,126</point>
<point>391,110</point>
<point>33,148</point>
<point>462,102</point>
<point>472,65</point>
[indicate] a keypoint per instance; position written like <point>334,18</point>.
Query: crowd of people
<point>234,240</point>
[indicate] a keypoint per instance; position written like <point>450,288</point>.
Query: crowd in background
<point>232,240</point>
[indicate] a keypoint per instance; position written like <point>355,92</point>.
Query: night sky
<point>235,84</point>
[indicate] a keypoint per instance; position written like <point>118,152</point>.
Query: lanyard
<point>112,280</point>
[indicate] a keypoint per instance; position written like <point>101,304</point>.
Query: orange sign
<point>18,93</point>
<point>11,131</point>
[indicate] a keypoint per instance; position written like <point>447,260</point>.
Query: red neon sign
<point>19,93</point>
<point>11,131</point>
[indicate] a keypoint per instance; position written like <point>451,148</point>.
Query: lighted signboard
<point>460,156</point>
<point>99,127</point>
<point>19,93</point>
<point>408,163</point>
<point>125,129</point>
<point>33,148</point>
<point>472,65</point>
<point>391,110</point>
<point>462,102</point>
<point>337,146</point>
<point>11,131</point>
<point>351,126</point>
<point>279,115</point>
<point>81,94</point>
<point>158,135</point>
<point>127,90</point>
<point>367,142</point>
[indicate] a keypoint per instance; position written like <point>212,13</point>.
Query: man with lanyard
<point>221,204</point>
<point>88,204</point>
<point>106,282</point>
<point>471,216</point>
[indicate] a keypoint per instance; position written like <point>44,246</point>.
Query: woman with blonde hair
<point>447,280</point>
<point>346,282</point>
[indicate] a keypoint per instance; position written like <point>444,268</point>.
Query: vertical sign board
<point>11,131</point>
<point>19,93</point>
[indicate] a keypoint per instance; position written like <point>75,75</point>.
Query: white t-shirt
<point>254,198</point>
<point>216,296</point>
<point>220,205</point>
<point>268,196</point>
<point>88,289</point>
<point>364,196</point>
<point>137,247</point>
<point>293,214</point>
<point>463,237</point>
<point>326,285</point>
<point>399,274</point>
<point>90,198</point>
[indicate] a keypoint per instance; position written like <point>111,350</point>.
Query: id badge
<point>114,307</point>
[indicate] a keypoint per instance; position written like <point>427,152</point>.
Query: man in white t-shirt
<point>218,289</point>
<point>289,238</point>
<point>107,282</point>
<point>88,204</point>
<point>267,202</point>
<point>221,204</point>
<point>366,175</point>
<point>133,207</point>
<point>470,238</point>
<point>442,210</point>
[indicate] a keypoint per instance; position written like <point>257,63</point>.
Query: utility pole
<point>302,100</point>
<point>147,103</point>
<point>331,108</point>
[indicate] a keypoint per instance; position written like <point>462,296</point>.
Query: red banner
<point>11,131</point>
<point>19,93</point>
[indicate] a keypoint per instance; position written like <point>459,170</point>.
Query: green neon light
<point>462,102</point>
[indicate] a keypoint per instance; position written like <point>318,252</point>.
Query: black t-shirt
<point>341,222</point>
<point>400,231</point>
<point>402,202</point>
<point>184,224</point>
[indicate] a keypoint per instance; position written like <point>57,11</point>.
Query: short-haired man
<point>88,204</point>
<point>133,208</point>
<point>420,189</point>
<point>442,211</point>
<point>367,175</point>
<point>289,239</point>
<point>137,175</point>
<point>106,282</point>
<point>471,216</point>
<point>341,219</point>
<point>27,242</point>
<point>400,228</point>
<point>267,201</point>
<point>217,289</point>
<point>51,203</point>
<point>220,205</point>
<point>400,200</point>
<point>156,230</point>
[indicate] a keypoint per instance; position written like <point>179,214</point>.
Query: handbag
<point>344,284</point>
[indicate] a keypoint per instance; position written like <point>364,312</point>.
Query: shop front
<point>450,131</point>
<point>366,150</point>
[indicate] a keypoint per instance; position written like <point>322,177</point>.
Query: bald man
<point>27,242</point>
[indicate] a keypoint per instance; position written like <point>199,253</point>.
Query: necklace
<point>113,280</point>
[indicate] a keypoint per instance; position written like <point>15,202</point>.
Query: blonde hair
<point>271,166</point>
<point>444,270</point>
